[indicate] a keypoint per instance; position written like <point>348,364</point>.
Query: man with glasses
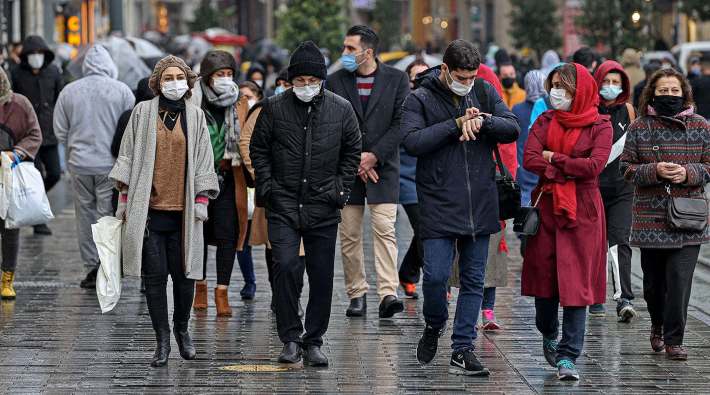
<point>376,92</point>
<point>305,150</point>
<point>452,128</point>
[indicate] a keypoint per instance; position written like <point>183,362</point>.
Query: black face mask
<point>507,82</point>
<point>667,105</point>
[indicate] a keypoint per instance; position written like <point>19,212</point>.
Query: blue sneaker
<point>566,371</point>
<point>597,310</point>
<point>549,350</point>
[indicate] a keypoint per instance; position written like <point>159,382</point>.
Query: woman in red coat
<point>565,262</point>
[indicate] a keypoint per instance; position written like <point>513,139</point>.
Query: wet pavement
<point>54,339</point>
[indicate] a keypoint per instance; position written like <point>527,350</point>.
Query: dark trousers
<point>574,320</point>
<point>413,260</point>
<point>319,244</point>
<point>10,247</point>
<point>618,229</point>
<point>222,228</point>
<point>47,162</point>
<point>162,255</point>
<point>246,261</point>
<point>667,279</point>
<point>438,262</point>
<point>489,298</point>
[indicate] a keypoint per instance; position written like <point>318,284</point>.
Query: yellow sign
<point>73,31</point>
<point>255,368</point>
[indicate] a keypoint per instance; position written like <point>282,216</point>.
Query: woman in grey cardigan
<point>165,174</point>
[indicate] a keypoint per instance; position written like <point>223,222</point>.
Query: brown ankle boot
<point>222,302</point>
<point>200,302</point>
<point>676,353</point>
<point>657,343</point>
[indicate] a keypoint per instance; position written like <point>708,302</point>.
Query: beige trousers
<point>382,218</point>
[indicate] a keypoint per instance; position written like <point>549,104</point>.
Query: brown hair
<point>649,91</point>
<point>251,85</point>
<point>568,78</point>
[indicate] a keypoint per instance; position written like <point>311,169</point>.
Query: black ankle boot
<point>162,350</point>
<point>184,342</point>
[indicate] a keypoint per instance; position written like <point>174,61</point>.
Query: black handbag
<point>684,213</point>
<point>527,222</point>
<point>508,190</point>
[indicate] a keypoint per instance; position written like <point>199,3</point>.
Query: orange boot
<point>200,302</point>
<point>222,302</point>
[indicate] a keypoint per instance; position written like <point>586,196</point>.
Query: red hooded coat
<point>567,258</point>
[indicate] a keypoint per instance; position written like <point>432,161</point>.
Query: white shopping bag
<point>5,183</point>
<point>27,201</point>
<point>250,202</point>
<point>107,237</point>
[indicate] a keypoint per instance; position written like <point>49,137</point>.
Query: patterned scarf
<point>231,120</point>
<point>5,90</point>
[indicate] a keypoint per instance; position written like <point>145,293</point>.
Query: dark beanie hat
<point>283,76</point>
<point>307,60</point>
<point>216,60</point>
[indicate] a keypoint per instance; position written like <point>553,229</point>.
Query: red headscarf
<point>563,133</point>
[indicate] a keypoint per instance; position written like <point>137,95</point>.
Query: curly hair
<point>649,91</point>
<point>171,61</point>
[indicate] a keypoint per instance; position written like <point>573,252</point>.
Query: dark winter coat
<point>41,89</point>
<point>305,169</point>
<point>683,139</point>
<point>455,181</point>
<point>569,262</point>
<point>701,95</point>
<point>379,125</point>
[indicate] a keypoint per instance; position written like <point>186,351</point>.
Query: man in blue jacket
<point>452,128</point>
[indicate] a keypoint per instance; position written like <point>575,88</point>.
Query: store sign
<point>73,31</point>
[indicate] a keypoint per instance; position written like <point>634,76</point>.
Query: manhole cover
<point>254,368</point>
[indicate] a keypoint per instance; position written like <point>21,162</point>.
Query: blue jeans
<point>246,265</point>
<point>438,260</point>
<point>574,320</point>
<point>489,298</point>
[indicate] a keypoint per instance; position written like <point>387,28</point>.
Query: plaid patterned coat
<point>682,139</point>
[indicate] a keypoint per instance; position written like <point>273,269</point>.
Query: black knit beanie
<point>216,60</point>
<point>307,60</point>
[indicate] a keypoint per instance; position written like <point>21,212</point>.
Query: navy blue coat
<point>455,181</point>
<point>526,180</point>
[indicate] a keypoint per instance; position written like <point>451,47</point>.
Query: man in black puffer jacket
<point>452,129</point>
<point>306,151</point>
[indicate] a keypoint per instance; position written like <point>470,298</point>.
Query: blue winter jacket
<point>526,180</point>
<point>455,180</point>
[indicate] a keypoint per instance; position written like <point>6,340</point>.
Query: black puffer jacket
<point>305,165</point>
<point>41,89</point>
<point>455,181</point>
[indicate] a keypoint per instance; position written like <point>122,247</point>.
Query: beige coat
<point>134,167</point>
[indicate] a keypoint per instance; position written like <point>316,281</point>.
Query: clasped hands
<point>673,172</point>
<point>366,170</point>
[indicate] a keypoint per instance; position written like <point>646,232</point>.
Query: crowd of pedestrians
<point>612,156</point>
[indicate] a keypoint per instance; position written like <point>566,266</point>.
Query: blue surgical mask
<point>610,92</point>
<point>279,90</point>
<point>349,62</point>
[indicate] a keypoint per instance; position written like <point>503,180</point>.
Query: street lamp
<point>635,17</point>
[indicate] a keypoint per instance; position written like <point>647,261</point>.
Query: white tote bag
<point>27,203</point>
<point>5,183</point>
<point>107,237</point>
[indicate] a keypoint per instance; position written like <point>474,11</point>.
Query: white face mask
<point>260,83</point>
<point>307,93</point>
<point>559,99</point>
<point>457,87</point>
<point>35,60</point>
<point>223,84</point>
<point>174,90</point>
<point>251,103</point>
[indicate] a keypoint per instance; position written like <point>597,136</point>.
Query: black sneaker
<point>42,230</point>
<point>465,363</point>
<point>89,282</point>
<point>549,350</point>
<point>426,350</point>
<point>625,311</point>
